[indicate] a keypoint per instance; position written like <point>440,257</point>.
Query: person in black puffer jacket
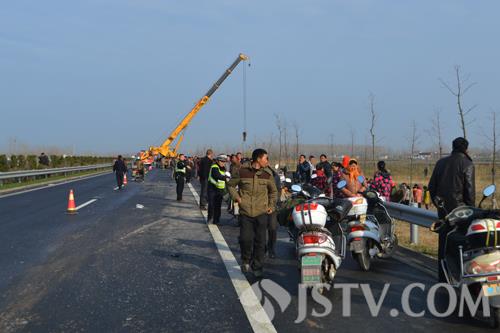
<point>452,181</point>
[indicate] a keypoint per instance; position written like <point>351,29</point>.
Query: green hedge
<point>30,162</point>
<point>4,163</point>
<point>21,162</point>
<point>13,163</point>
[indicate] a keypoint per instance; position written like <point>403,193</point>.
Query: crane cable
<point>245,103</point>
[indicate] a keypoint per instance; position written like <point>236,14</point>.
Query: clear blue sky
<point>117,75</point>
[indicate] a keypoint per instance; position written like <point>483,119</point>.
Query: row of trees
<point>458,88</point>
<point>287,144</point>
<point>30,162</point>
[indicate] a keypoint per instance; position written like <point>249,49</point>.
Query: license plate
<point>357,246</point>
<point>491,289</point>
<point>311,269</point>
<point>311,261</point>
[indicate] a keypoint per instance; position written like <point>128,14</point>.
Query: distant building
<point>423,156</point>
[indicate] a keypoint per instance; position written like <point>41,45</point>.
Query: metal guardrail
<point>415,216</point>
<point>45,172</point>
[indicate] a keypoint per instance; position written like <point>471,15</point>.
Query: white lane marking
<point>44,186</point>
<point>254,311</point>
<point>85,204</point>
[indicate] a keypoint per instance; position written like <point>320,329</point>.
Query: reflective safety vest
<point>220,184</point>
<point>177,170</point>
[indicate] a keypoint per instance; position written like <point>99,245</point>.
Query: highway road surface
<point>158,267</point>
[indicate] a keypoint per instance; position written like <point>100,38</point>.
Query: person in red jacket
<point>320,181</point>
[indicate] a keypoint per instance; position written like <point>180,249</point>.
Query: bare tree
<point>413,146</point>
<point>285,137</point>
<point>365,153</point>
<point>493,139</point>
<point>279,125</point>
<point>461,89</point>
<point>352,141</point>
<point>297,133</point>
<point>373,117</point>
<point>437,130</point>
<point>331,146</point>
<point>271,143</point>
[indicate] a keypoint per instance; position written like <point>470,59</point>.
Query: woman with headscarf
<point>350,175</point>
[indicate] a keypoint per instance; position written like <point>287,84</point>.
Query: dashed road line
<point>85,204</point>
<point>257,316</point>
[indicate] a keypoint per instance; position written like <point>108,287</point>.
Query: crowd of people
<point>255,189</point>
<point>325,176</point>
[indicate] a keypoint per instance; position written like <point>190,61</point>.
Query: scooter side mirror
<point>341,184</point>
<point>296,188</point>
<point>489,190</point>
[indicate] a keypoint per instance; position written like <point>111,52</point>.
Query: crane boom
<point>164,149</point>
<point>179,141</point>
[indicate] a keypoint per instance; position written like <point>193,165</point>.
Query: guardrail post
<point>414,234</point>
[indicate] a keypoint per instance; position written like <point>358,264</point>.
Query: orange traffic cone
<point>125,179</point>
<point>71,203</point>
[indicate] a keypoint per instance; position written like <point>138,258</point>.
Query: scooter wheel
<point>389,250</point>
<point>363,259</point>
<point>494,318</point>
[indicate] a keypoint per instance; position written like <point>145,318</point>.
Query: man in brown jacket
<point>256,195</point>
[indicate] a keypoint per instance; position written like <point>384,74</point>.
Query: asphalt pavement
<point>112,267</point>
<point>115,267</point>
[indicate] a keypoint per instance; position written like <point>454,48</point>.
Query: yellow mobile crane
<point>165,149</point>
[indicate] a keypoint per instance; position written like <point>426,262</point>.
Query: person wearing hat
<point>453,182</point>
<point>179,175</point>
<point>345,161</point>
<point>216,186</point>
